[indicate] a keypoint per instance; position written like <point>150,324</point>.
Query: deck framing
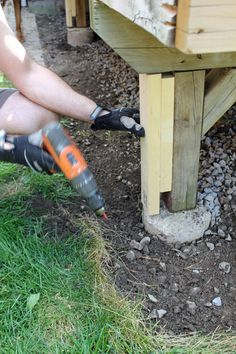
<point>177,112</point>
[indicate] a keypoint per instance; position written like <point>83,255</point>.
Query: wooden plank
<point>189,94</point>
<point>220,96</point>
<point>212,2</point>
<point>70,12</point>
<point>157,117</point>
<point>81,18</point>
<point>153,60</point>
<point>206,27</point>
<point>167,126</point>
<point>142,50</point>
<point>118,31</point>
<point>150,110</point>
<point>152,15</point>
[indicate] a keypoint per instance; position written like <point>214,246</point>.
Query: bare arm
<point>37,83</point>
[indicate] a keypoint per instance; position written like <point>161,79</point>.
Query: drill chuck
<point>72,163</point>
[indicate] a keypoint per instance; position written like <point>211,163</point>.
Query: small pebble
<point>163,266</point>
<point>194,291</point>
<point>146,250</point>
<point>161,313</point>
<point>130,255</point>
<point>136,245</point>
<point>228,238</point>
<point>144,242</point>
<point>152,298</point>
<point>225,266</point>
<point>210,245</point>
<point>217,301</point>
<point>191,307</point>
<point>175,287</point>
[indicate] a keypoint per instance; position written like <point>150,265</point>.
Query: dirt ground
<point>182,280</point>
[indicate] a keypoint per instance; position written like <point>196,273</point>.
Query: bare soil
<point>175,275</point>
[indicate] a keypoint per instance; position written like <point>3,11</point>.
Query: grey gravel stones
<point>157,313</point>
<point>140,245</point>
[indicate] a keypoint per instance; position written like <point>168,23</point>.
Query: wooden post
<point>70,13</point>
<point>157,112</point>
<point>81,18</point>
<point>189,96</point>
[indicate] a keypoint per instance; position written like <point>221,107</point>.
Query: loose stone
<point>191,307</point>
<point>152,298</point>
<point>210,245</point>
<point>144,242</point>
<point>130,255</point>
<point>161,313</point>
<point>136,245</point>
<point>196,290</point>
<point>217,301</point>
<point>225,266</point>
<point>163,266</point>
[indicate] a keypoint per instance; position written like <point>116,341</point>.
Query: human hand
<point>124,119</point>
<point>25,152</point>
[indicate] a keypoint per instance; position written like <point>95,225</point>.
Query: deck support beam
<point>220,95</point>
<point>157,117</point>
<point>189,97</point>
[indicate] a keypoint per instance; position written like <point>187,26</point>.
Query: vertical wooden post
<point>157,112</point>
<point>81,8</point>
<point>70,12</point>
<point>189,97</point>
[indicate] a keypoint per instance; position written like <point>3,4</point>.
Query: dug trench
<point>186,288</point>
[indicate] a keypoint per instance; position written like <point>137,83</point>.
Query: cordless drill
<point>72,163</point>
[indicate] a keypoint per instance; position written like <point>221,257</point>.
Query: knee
<point>46,117</point>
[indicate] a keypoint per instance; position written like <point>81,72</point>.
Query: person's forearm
<point>45,88</point>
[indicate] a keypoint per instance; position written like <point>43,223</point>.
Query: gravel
<point>217,177</point>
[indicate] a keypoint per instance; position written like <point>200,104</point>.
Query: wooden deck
<point>185,56</point>
<point>193,26</point>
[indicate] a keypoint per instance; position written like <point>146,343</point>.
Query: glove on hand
<point>20,150</point>
<point>124,119</point>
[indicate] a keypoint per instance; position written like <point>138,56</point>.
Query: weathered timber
<point>151,15</point>
<point>220,95</point>
<point>206,26</point>
<point>189,95</point>
<point>157,116</point>
<point>81,17</point>
<point>70,13</point>
<point>143,51</point>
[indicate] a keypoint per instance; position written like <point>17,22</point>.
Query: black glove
<point>125,119</point>
<point>20,150</point>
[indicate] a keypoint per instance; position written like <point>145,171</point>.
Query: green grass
<point>4,82</point>
<point>54,294</point>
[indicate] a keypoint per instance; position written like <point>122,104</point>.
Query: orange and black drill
<point>59,153</point>
<point>72,163</point>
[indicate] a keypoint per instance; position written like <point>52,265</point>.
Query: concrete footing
<point>180,227</point>
<point>77,37</point>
